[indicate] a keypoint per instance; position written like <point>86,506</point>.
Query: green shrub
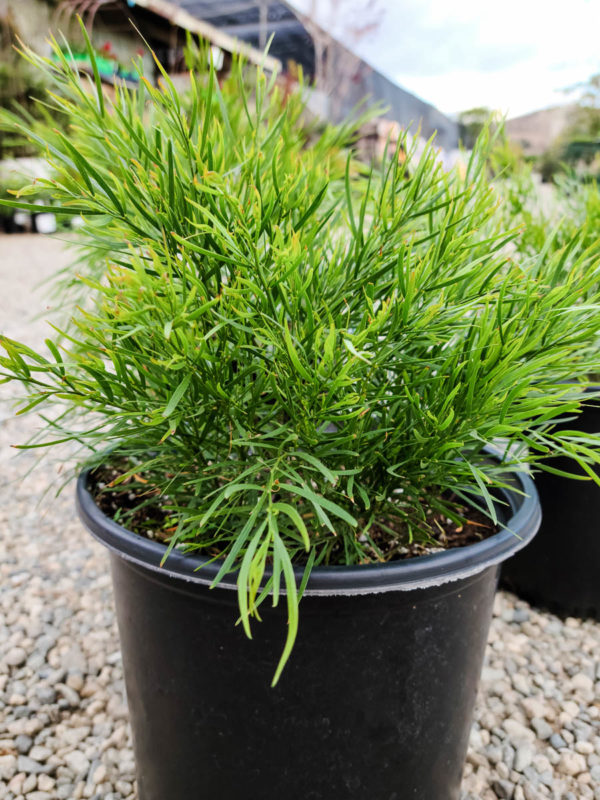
<point>568,217</point>
<point>286,356</point>
<point>21,88</point>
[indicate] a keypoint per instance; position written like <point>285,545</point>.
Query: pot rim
<point>415,573</point>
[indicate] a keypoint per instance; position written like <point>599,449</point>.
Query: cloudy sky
<point>514,55</point>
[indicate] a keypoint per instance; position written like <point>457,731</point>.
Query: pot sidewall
<point>376,700</point>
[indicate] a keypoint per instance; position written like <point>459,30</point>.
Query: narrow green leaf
<point>175,398</point>
<point>293,514</point>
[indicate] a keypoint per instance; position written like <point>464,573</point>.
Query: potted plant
<point>106,61</point>
<point>290,384</point>
<point>562,579</point>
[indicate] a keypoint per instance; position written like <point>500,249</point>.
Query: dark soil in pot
<point>560,569</point>
<point>130,501</point>
<point>376,701</point>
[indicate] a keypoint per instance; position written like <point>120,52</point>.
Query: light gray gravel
<point>63,719</point>
<point>537,722</point>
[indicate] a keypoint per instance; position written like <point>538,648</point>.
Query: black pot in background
<point>560,569</point>
<point>376,701</point>
<point>15,222</point>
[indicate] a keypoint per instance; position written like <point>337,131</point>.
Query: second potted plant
<point>549,572</point>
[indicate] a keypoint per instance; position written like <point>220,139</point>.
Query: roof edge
<point>183,19</point>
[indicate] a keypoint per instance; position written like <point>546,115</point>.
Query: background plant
<point>568,215</point>
<point>299,134</point>
<point>21,87</point>
<point>283,356</point>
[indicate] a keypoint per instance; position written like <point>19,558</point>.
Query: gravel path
<point>63,717</point>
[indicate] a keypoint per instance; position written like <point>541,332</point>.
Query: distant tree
<point>578,145</point>
<point>586,120</point>
<point>471,122</point>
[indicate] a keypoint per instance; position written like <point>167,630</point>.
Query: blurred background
<point>436,68</point>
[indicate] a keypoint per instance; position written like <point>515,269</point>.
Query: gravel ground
<point>63,717</point>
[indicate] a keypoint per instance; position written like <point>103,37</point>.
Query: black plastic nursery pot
<point>375,703</point>
<point>560,569</point>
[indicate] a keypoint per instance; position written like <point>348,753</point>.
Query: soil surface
<point>138,504</point>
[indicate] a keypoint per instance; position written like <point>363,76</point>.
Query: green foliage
<point>17,89</point>
<point>521,206</point>
<point>20,88</point>
<point>9,186</point>
<point>505,158</point>
<point>287,352</point>
<point>569,219</point>
<point>561,220</point>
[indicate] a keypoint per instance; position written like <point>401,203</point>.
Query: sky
<point>515,56</point>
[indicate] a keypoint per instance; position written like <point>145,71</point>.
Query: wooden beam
<point>178,16</point>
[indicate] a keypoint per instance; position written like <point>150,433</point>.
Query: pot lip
<point>415,573</point>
